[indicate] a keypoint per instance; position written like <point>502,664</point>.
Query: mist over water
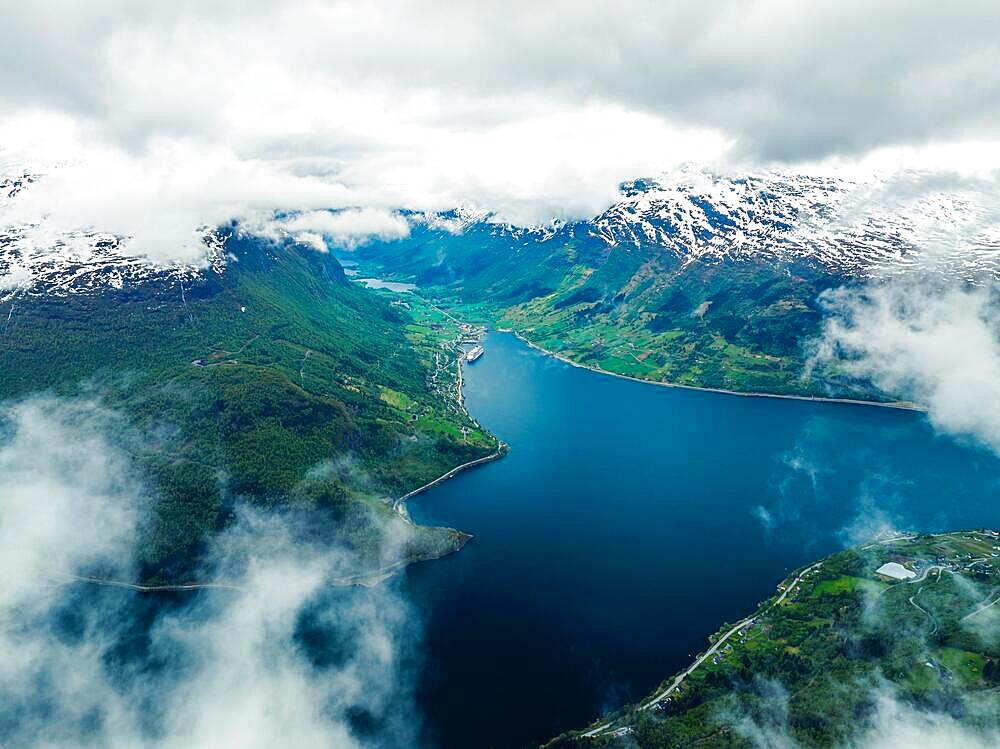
<point>279,657</point>
<point>630,521</point>
<point>626,525</point>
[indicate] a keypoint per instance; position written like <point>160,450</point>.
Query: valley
<point>267,380</point>
<point>697,279</point>
<point>581,375</point>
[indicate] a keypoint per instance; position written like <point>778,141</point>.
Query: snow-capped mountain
<point>846,226</point>
<point>39,258</point>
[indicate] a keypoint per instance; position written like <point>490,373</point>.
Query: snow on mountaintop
<point>847,226</point>
<point>874,225</point>
<point>37,258</point>
<point>851,227</point>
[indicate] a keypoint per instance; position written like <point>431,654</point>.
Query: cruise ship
<point>474,354</point>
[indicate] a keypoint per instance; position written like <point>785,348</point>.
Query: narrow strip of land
<point>902,406</point>
<point>400,504</point>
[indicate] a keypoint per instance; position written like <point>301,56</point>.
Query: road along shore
<point>898,405</point>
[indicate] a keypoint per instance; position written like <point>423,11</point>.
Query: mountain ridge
<point>862,227</point>
<point>786,216</point>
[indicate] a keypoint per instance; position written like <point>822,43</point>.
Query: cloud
<point>347,228</point>
<point>68,505</point>
<point>784,80</point>
<point>828,490</point>
<point>876,512</point>
<point>897,725</point>
<point>764,516</point>
<point>893,724</point>
<point>939,346</point>
<point>798,480</point>
<point>157,121</point>
<point>945,215</point>
<point>254,682</point>
<point>983,619</point>
<point>164,200</point>
<point>68,501</point>
<point>938,342</point>
<point>283,659</point>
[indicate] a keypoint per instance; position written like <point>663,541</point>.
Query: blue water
<point>630,521</point>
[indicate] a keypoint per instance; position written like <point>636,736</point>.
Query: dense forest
<point>262,384</point>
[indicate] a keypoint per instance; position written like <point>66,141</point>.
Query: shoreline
<point>897,405</point>
<point>399,504</point>
<point>618,723</point>
<point>501,448</point>
<point>715,641</point>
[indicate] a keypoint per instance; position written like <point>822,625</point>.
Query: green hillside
<point>633,310</point>
<point>275,384</point>
<point>809,667</point>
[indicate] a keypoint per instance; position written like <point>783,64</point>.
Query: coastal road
<point>60,578</point>
<point>367,579</point>
<point>749,621</point>
<point>721,641</point>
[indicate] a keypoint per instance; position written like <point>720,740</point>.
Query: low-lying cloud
<point>164,200</point>
<point>937,345</point>
<point>347,228</point>
<point>89,665</point>
<point>893,724</point>
<point>69,501</point>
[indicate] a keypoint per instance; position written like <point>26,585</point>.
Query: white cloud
<point>347,228</point>
<point>68,503</point>
<point>939,346</point>
<point>893,724</point>
<point>781,78</point>
<point>254,685</point>
<point>67,500</point>
<point>163,199</point>
<point>220,669</point>
<point>166,118</point>
<point>897,725</point>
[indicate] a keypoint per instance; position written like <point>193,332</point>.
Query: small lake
<point>630,521</point>
<point>378,283</point>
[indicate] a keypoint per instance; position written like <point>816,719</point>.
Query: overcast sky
<point>191,112</point>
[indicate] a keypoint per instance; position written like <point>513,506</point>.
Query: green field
<point>635,311</point>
